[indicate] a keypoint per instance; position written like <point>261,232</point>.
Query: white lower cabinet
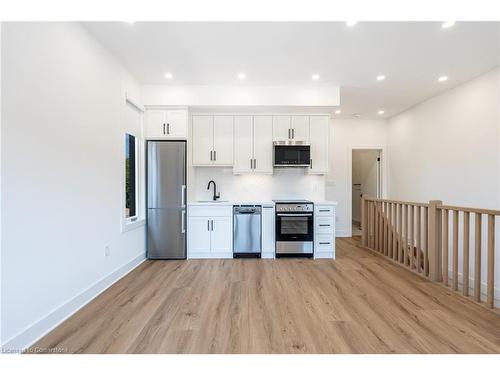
<point>210,231</point>
<point>268,232</point>
<point>324,231</point>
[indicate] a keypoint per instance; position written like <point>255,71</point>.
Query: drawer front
<point>210,211</point>
<point>323,210</point>
<point>324,225</point>
<point>323,243</point>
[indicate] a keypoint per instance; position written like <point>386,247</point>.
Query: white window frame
<point>139,220</point>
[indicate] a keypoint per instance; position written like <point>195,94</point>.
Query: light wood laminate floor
<point>359,303</point>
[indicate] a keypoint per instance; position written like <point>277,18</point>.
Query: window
<point>131,179</point>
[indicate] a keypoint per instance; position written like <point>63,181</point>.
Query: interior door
<point>203,140</point>
<point>243,142</point>
<point>199,235</point>
<point>281,128</point>
<point>177,123</point>
<point>300,128</point>
<point>223,140</point>
<point>154,119</point>
<point>263,144</point>
<point>319,140</point>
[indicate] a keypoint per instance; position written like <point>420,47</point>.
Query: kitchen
<point>211,222</point>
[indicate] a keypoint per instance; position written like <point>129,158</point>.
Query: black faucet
<point>216,196</point>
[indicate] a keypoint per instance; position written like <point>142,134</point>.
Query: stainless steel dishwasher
<point>247,231</point>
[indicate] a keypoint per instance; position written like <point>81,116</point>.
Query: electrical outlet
<point>107,251</point>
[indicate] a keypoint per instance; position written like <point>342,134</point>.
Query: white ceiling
<point>412,55</point>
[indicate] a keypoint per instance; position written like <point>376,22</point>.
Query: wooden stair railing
<point>418,236</point>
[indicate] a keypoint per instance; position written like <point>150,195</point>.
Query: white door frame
<point>383,180</point>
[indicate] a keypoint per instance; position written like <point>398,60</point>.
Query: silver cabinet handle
<point>311,161</point>
<point>208,225</point>
<point>215,155</point>
<point>251,163</point>
<point>183,198</point>
<point>293,133</point>
<point>289,134</point>
<point>211,158</point>
<point>324,243</point>
<point>294,215</point>
<point>163,129</point>
<point>212,225</point>
<point>168,128</point>
<point>183,221</point>
<point>324,225</point>
<point>254,163</point>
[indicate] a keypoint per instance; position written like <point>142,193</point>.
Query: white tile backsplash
<point>285,183</point>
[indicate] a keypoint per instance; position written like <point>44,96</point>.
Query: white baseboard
<point>484,287</point>
<point>342,233</point>
<point>210,256</point>
<point>50,321</point>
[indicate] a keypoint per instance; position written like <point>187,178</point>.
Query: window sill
<point>131,225</point>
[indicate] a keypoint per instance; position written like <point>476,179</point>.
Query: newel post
<point>434,244</point>
<point>364,221</point>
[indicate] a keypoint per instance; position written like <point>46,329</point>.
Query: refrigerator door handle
<point>208,225</point>
<point>183,196</point>
<point>183,221</point>
<point>212,225</point>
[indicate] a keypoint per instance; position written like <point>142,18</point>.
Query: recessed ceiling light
<point>447,24</point>
<point>351,23</point>
<point>338,112</point>
<point>380,77</point>
<point>169,76</point>
<point>315,77</point>
<point>443,78</point>
<point>242,76</point>
<point>381,112</point>
<point>356,115</point>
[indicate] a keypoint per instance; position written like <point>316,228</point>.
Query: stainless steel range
<point>294,228</point>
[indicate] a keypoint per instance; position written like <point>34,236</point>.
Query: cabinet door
<point>203,140</point>
<point>300,128</point>
<point>319,140</point>
<point>154,124</point>
<point>263,144</point>
<point>177,122</point>
<point>281,128</point>
<point>223,140</point>
<point>222,235</point>
<point>268,230</point>
<point>243,142</point>
<point>199,235</point>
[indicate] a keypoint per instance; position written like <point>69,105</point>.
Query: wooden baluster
<point>381,228</point>
<point>389,237</point>
<point>400,232</point>
<point>375,226</point>
<point>384,208</point>
<point>364,219</point>
<point>465,265</point>
<point>455,251</point>
<point>490,287</point>
<point>405,241</point>
<point>395,232</point>
<point>426,241</point>
<point>477,259</point>
<point>411,241</point>
<point>445,246</point>
<point>418,238</point>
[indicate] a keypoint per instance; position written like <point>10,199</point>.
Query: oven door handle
<point>295,215</point>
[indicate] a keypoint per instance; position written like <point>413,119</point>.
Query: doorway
<point>366,180</point>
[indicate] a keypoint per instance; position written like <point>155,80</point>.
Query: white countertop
<point>238,202</point>
<point>332,203</point>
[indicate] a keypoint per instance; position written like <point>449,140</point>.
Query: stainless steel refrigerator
<point>166,200</point>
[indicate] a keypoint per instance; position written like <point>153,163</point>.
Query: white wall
<point>448,148</point>
<point>63,125</point>
<point>347,134</point>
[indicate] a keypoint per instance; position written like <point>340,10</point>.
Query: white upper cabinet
<point>319,139</point>
<point>300,128</point>
<point>253,144</point>
<point>166,123</point>
<point>212,140</point>
<point>243,144</point>
<point>223,140</point>
<point>203,140</point>
<point>282,128</point>
<point>263,144</point>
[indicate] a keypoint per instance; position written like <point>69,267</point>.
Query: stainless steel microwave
<point>292,154</point>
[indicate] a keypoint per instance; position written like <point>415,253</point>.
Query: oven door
<point>294,233</point>
<point>292,156</point>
